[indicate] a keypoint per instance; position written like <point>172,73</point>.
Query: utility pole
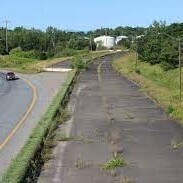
<point>91,43</point>
<point>180,70</point>
<point>136,52</point>
<point>136,56</point>
<point>6,33</point>
<point>106,36</point>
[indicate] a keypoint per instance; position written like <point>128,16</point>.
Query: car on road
<point>10,76</point>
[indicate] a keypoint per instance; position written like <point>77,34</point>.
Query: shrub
<point>42,56</point>
<point>78,62</point>
<point>15,50</point>
<point>66,52</point>
<point>170,109</point>
<point>115,162</point>
<point>23,54</point>
<point>50,54</point>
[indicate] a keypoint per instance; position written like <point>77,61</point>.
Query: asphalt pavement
<point>15,98</point>
<point>108,113</point>
<point>11,109</point>
<point>62,64</point>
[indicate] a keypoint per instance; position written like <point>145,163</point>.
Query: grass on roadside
<point>27,65</point>
<point>26,165</point>
<point>162,86</point>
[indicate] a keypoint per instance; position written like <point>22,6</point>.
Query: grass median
<point>23,167</point>
<point>162,86</point>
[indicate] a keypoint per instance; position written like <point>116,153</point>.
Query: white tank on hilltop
<point>119,38</point>
<point>106,41</point>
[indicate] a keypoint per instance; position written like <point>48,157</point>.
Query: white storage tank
<point>106,41</point>
<point>119,38</point>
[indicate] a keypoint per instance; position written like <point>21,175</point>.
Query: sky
<point>83,15</point>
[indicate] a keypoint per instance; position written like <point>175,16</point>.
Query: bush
<point>42,56</point>
<point>167,66</point>
<point>66,52</point>
<point>50,54</point>
<point>170,109</point>
<point>78,62</point>
<point>23,54</point>
<point>15,50</point>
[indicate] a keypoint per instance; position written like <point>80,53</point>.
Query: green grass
<point>162,86</point>
<point>115,162</point>
<point>23,166</point>
<point>27,65</point>
<point>60,136</point>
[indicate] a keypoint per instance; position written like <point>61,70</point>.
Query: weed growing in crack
<point>126,179</point>
<point>115,162</point>
<point>176,143</point>
<point>62,116</point>
<point>62,137</point>
<point>81,164</point>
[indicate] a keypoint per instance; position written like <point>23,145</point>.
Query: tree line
<point>53,41</point>
<point>160,44</point>
<point>156,44</point>
<point>46,43</point>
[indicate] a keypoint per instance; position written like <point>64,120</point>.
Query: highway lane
<point>15,97</point>
<point>47,84</point>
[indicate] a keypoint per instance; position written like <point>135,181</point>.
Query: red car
<point>10,76</point>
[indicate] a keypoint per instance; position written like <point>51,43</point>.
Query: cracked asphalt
<point>110,114</point>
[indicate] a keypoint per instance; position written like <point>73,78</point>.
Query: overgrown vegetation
<point>161,85</point>
<point>78,62</point>
<point>126,180</point>
<point>115,162</point>
<point>26,62</point>
<point>26,65</point>
<point>45,43</point>
<point>26,166</point>
<point>160,44</point>
<point>156,44</point>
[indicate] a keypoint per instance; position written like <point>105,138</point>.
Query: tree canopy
<point>156,44</point>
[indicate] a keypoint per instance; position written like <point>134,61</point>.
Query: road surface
<point>110,114</point>
<point>15,99</point>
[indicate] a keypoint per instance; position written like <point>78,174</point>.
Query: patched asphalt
<point>110,114</point>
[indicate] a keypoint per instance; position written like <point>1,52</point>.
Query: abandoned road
<point>110,114</point>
